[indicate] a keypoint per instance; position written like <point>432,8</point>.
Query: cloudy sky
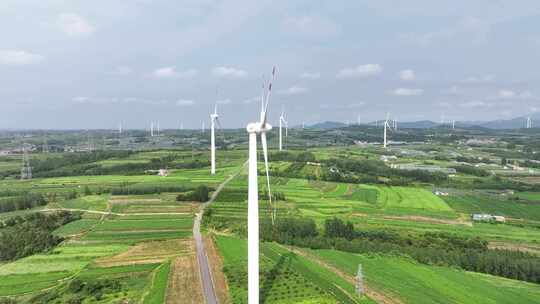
<point>91,64</point>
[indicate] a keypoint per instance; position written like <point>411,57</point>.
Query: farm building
<point>482,217</point>
<point>386,158</point>
<point>163,172</point>
<point>411,167</point>
<point>440,193</point>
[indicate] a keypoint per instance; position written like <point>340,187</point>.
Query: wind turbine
<point>213,120</point>
<point>386,126</point>
<point>254,129</point>
<point>151,129</point>
<point>282,122</point>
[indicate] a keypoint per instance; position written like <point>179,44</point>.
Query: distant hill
<point>514,123</point>
<point>327,125</point>
<point>423,124</point>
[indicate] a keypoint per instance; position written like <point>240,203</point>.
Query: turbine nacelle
<point>257,127</point>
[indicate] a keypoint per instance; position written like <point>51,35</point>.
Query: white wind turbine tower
<point>151,129</point>
<point>254,129</point>
<point>213,120</point>
<point>282,122</point>
<point>386,127</point>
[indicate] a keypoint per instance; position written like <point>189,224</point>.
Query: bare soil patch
<point>216,265</point>
<point>184,286</point>
<point>149,252</point>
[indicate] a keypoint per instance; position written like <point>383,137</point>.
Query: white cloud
<point>407,75</point>
<point>506,94</point>
<point>407,92</point>
<point>122,71</point>
<point>360,71</point>
<point>453,91</point>
<point>185,102</point>
<point>473,104</point>
<point>228,72</point>
<point>80,99</point>
<point>311,26</point>
<point>171,72</point>
<point>224,101</point>
<point>74,25</point>
<point>16,57</point>
<point>308,75</point>
<point>355,105</point>
<point>294,90</point>
<point>473,30</point>
<point>480,79</point>
<point>526,95</point>
<point>252,99</point>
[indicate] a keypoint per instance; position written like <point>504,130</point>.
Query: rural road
<point>204,268</point>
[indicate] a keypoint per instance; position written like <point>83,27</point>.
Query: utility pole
<point>45,147</point>
<point>26,170</point>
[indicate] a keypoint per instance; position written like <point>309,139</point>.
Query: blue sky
<point>92,64</point>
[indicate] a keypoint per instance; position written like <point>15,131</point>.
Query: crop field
<point>414,283</point>
<point>527,208</point>
<point>91,202</point>
<point>286,277</point>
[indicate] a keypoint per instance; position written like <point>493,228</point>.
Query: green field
<point>414,283</point>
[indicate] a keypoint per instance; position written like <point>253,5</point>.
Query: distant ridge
<point>499,124</point>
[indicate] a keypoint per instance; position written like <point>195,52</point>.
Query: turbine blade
<point>265,153</point>
<point>268,94</point>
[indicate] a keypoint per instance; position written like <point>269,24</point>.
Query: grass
<point>130,238</point>
<point>477,202</point>
<point>90,202</point>
<point>156,294</point>
<point>76,227</point>
<point>70,257</point>
<point>16,284</point>
<point>127,224</point>
<point>415,283</point>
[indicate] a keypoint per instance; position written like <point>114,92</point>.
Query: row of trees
<point>374,171</point>
<point>147,189</point>
<point>200,194</point>
<point>471,170</point>
<point>31,234</point>
<point>25,201</point>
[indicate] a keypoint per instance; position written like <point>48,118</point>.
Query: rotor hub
<point>256,127</point>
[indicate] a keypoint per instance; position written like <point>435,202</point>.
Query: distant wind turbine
<point>214,118</point>
<point>386,127</point>
<point>282,122</point>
